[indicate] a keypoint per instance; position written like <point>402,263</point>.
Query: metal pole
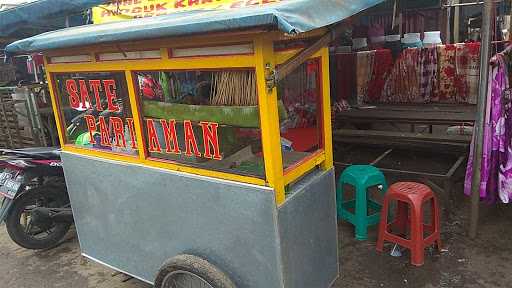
<point>449,23</point>
<point>510,25</point>
<point>480,117</point>
<point>466,4</point>
<point>456,22</point>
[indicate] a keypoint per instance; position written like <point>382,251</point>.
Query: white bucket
<point>432,39</point>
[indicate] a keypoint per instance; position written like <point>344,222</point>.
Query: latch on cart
<point>270,77</point>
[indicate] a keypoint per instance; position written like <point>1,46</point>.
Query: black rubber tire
<point>197,266</point>
<point>15,229</point>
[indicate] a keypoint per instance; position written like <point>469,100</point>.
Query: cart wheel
<point>191,271</point>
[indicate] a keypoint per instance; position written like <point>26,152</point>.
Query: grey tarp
<point>289,16</point>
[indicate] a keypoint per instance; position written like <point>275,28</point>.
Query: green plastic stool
<point>361,177</point>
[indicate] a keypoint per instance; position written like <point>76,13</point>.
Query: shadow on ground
<point>485,262</point>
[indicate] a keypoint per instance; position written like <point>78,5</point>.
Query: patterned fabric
<point>442,74</point>
<point>403,83</point>
<point>447,74</point>
<point>428,74</point>
<point>365,61</point>
<point>381,68</point>
<point>345,76</point>
<point>468,72</point>
<point>496,169</point>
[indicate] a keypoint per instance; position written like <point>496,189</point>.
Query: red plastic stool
<point>413,195</point>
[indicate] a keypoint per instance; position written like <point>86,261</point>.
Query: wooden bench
<point>408,140</point>
<point>364,118</point>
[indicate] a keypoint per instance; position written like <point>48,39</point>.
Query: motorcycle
<point>36,207</point>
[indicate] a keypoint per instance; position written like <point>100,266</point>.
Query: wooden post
<point>480,119</point>
<point>456,22</point>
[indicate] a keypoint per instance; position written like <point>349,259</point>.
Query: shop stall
<point>408,80</point>
<point>200,142</point>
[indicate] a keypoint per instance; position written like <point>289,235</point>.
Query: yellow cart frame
<point>264,56</point>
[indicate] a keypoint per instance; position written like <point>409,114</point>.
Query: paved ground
<point>486,262</point>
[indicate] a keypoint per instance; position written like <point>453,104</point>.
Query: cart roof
<point>43,15</point>
<point>289,16</point>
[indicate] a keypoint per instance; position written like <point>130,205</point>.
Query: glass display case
<point>198,108</point>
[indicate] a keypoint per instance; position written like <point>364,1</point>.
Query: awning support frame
<point>294,62</point>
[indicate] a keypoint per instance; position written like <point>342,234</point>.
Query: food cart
<point>197,146</point>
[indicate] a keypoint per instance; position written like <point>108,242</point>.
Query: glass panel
<point>207,119</point>
<point>301,94</point>
<point>96,111</point>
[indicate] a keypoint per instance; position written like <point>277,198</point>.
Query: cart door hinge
<point>270,77</point>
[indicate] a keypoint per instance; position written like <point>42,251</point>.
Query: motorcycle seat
<point>49,153</point>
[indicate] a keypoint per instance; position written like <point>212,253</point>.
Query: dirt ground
<point>485,262</point>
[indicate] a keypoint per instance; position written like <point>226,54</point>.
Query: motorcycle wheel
<point>19,224</point>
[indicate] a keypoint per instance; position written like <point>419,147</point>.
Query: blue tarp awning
<point>41,16</point>
<point>289,16</point>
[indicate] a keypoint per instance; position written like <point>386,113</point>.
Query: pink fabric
<point>496,169</point>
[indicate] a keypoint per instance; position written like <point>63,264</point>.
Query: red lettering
<point>193,2</point>
<point>106,13</point>
<point>237,4</point>
<point>118,128</point>
<point>110,91</point>
<point>136,10</point>
<point>154,144</point>
<point>123,3</point>
<point>84,93</point>
<point>161,7</point>
<point>151,8</point>
<point>179,4</point>
<point>210,137</point>
<point>95,87</point>
<point>190,139</point>
<point>104,133</point>
<point>91,126</point>
<point>74,100</point>
<point>131,127</point>
<point>170,135</point>
<point>268,1</point>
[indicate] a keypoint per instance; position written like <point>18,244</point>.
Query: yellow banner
<point>129,9</point>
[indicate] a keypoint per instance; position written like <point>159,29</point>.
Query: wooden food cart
<point>189,150</point>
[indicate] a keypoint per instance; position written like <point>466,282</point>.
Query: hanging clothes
<point>411,75</point>
<point>467,61</point>
<point>428,74</point>
<point>496,169</point>
<point>345,76</point>
<point>447,74</point>
<point>382,65</point>
<point>365,61</point>
<point>403,83</point>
